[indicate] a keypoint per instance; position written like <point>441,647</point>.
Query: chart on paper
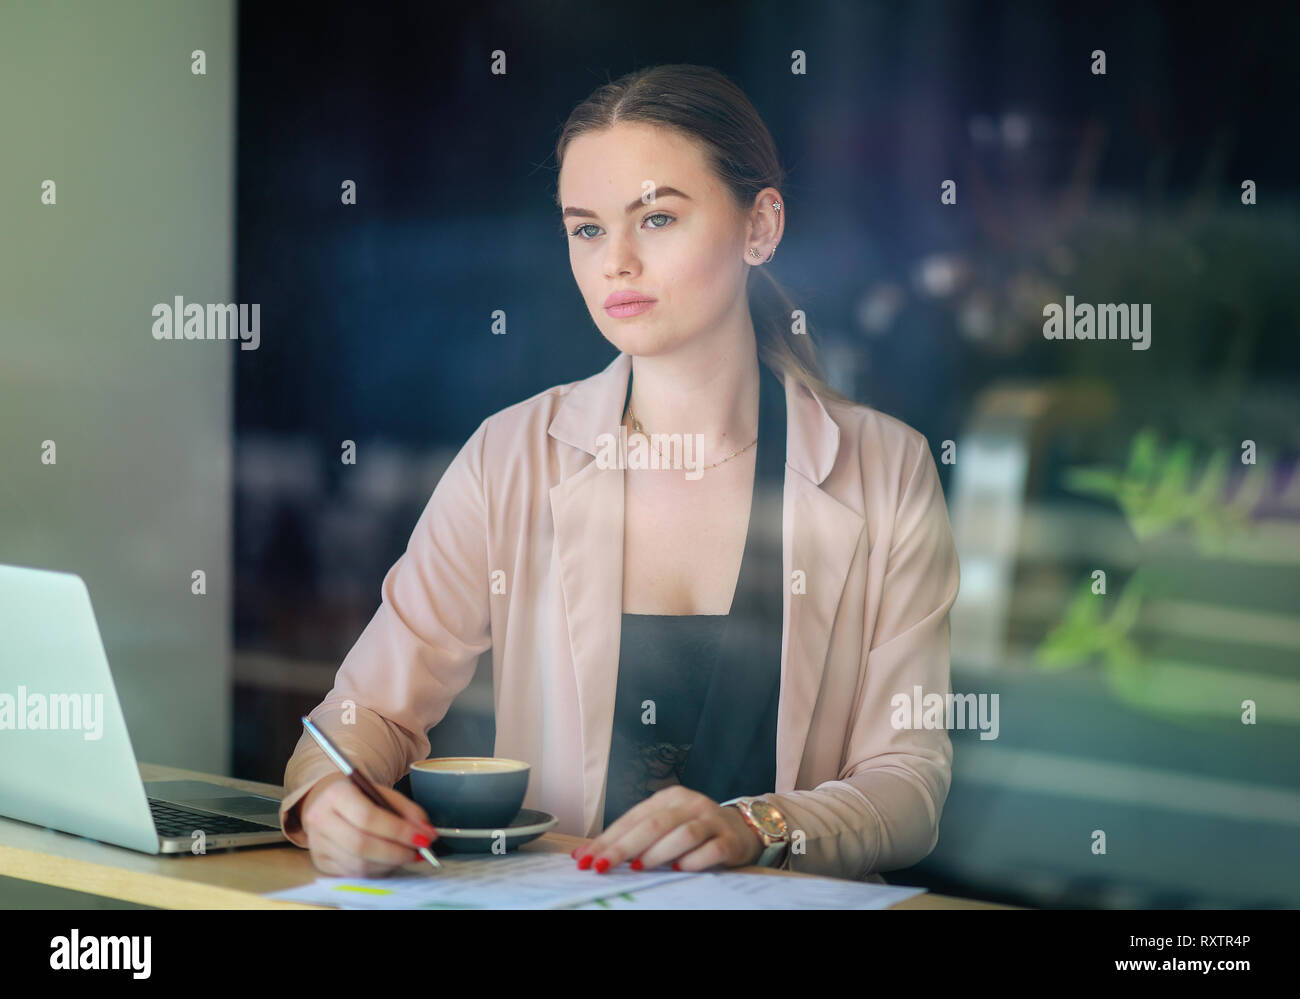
<point>515,881</point>
<point>553,881</point>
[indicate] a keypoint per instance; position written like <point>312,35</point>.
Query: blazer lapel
<point>819,537</point>
<point>587,509</point>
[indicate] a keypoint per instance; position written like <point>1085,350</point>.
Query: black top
<point>714,679</point>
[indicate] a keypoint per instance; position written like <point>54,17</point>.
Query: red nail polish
<point>585,861</point>
<point>636,864</point>
<point>419,840</point>
<point>602,865</point>
<point>675,867</point>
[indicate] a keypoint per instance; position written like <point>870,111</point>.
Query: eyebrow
<point>660,192</point>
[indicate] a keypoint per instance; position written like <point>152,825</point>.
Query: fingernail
<point>602,865</point>
<point>675,867</point>
<point>585,861</point>
<point>419,840</point>
<point>636,864</point>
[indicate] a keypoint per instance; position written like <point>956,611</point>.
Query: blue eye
<point>591,225</point>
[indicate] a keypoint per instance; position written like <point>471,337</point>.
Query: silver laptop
<point>65,756</point>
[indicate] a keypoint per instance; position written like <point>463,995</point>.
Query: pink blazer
<point>520,549</point>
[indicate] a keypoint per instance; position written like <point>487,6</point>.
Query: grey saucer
<point>524,828</point>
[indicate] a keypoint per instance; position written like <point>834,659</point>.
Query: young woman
<point>608,591</point>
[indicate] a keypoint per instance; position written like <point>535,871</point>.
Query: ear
<point>766,225</point>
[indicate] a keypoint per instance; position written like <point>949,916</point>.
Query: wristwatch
<point>767,821</point>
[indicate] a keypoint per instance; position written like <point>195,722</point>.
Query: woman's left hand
<point>676,824</point>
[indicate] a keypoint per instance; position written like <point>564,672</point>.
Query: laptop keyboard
<point>176,820</point>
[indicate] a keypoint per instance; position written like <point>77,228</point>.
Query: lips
<point>627,297</point>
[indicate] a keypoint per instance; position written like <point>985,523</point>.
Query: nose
<point>620,257</point>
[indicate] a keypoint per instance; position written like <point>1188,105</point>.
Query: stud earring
<point>754,253</point>
<point>776,206</point>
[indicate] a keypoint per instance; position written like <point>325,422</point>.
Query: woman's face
<point>683,250</point>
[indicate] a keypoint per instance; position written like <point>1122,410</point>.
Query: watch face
<point>769,818</point>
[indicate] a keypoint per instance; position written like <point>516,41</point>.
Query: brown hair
<point>702,104</point>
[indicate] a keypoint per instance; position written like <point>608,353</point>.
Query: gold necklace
<point>637,428</point>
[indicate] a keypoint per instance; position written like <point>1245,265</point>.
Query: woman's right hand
<point>350,836</point>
